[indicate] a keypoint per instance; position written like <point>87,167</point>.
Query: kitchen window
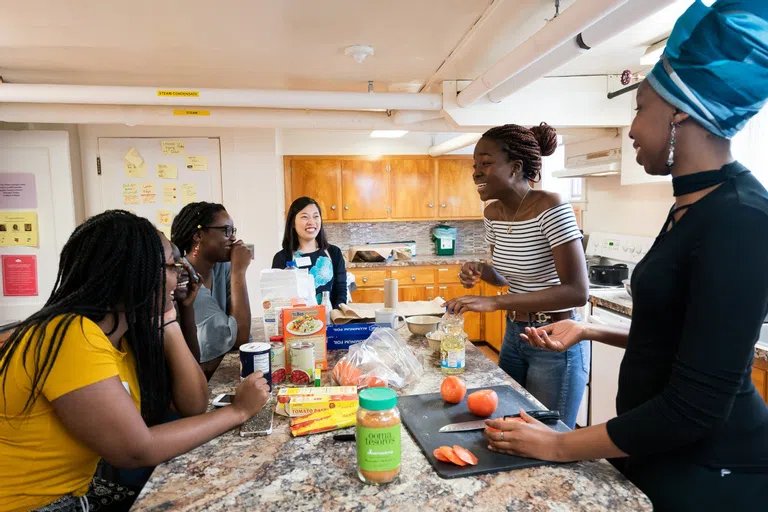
<point>750,146</point>
<point>570,189</point>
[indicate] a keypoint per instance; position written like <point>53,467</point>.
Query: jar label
<point>378,449</point>
<point>454,359</point>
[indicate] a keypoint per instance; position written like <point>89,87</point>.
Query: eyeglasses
<point>175,267</point>
<point>229,231</point>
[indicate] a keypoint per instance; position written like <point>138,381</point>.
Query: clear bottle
<point>328,307</point>
<point>378,436</point>
<point>452,349</point>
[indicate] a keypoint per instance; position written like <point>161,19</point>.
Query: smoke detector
<point>359,52</point>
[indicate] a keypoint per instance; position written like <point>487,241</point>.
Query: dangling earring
<point>194,251</point>
<point>672,142</point>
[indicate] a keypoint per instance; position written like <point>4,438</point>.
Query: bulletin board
<point>156,177</point>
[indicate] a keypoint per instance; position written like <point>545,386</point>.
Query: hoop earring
<point>672,142</point>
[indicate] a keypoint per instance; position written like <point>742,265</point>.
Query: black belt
<point>539,317</point>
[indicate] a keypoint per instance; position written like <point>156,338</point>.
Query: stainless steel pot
<point>608,275</point>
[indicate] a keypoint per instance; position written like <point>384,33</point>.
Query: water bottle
<point>328,307</point>
<point>291,265</point>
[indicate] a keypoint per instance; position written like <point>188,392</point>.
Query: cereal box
<point>306,324</point>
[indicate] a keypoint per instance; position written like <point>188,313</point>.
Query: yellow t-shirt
<point>40,460</point>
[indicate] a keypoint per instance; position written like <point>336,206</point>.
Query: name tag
<point>304,261</point>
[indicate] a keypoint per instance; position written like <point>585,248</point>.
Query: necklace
<point>503,211</point>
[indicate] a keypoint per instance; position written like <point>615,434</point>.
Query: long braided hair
<point>113,262</point>
<point>186,223</point>
<point>525,144</point>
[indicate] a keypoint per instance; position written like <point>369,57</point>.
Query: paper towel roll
<point>390,293</point>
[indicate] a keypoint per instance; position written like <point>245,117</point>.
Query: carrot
<point>465,455</point>
<point>448,452</point>
<point>439,455</point>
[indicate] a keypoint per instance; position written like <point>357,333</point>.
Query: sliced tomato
<point>448,452</point>
<point>465,455</point>
<point>439,455</point>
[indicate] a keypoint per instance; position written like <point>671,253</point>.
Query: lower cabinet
<point>760,378</point>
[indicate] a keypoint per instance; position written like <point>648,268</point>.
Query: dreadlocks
<point>113,262</point>
<point>526,144</point>
<point>186,223</point>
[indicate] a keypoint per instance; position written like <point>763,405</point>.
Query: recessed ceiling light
<point>388,134</point>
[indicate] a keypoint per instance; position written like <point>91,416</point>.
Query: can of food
<point>277,360</point>
<point>255,357</point>
<point>302,362</point>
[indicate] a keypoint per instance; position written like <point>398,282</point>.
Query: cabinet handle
<point>413,278</point>
<point>431,205</point>
<point>442,205</point>
<point>365,279</point>
<point>333,207</point>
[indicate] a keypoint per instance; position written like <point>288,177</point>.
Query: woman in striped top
<point>537,253</point>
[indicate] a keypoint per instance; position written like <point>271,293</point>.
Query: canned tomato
<point>302,362</point>
<point>277,360</point>
<point>255,357</point>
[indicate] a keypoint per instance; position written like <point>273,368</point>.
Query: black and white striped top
<point>524,255</point>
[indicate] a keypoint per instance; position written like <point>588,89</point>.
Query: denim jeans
<point>556,379</point>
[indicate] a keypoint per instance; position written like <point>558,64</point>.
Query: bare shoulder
<point>544,200</point>
<point>493,211</point>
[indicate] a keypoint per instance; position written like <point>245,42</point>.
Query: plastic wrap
<point>384,359</point>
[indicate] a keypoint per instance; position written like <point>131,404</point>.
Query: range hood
<point>592,171</point>
<point>592,158</point>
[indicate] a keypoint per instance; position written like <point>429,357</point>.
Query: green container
<point>445,240</point>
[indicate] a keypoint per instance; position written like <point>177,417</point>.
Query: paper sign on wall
<point>172,147</point>
<point>135,171</point>
<point>18,229</point>
<point>164,217</point>
<point>134,157</point>
<point>188,193</point>
<point>17,190</point>
<point>20,275</point>
<point>148,193</point>
<point>167,171</point>
<point>130,193</point>
<point>197,163</point>
<point>170,194</point>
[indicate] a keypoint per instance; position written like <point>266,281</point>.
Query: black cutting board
<point>423,415</point>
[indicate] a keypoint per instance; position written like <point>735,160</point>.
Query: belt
<point>539,317</point>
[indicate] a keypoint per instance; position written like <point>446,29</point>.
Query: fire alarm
<point>359,52</point>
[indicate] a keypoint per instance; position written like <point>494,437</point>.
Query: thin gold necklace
<point>503,211</point>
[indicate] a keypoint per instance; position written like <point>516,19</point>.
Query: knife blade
<point>543,416</point>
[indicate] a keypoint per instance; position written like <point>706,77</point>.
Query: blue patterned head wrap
<point>715,65</point>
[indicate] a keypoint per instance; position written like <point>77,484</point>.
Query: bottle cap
<point>378,399</point>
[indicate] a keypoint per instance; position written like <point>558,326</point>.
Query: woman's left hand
<point>469,303</point>
<point>185,297</point>
<point>531,438</point>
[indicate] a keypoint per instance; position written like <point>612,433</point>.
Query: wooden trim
<point>288,181</point>
<point>378,157</point>
<point>763,365</point>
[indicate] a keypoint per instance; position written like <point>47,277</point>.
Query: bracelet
<point>169,322</point>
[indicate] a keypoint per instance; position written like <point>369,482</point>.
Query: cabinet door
<point>457,194</point>
<point>364,190</point>
<point>413,188</point>
<point>413,275</point>
<point>415,293</point>
<point>320,180</point>
<point>760,378</point>
<point>472,321</point>
<point>494,323</point>
<point>368,295</point>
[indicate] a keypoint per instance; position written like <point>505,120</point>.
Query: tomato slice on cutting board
<point>439,455</point>
<point>448,453</point>
<point>465,455</point>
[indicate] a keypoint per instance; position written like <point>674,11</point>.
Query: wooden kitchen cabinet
<point>415,293</point>
<point>364,190</point>
<point>413,185</point>
<point>494,323</point>
<point>320,180</point>
<point>413,275</point>
<point>760,378</point>
<point>368,295</point>
<point>456,191</point>
<point>473,322</point>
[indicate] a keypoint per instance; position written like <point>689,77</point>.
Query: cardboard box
<point>342,336</point>
<point>306,324</point>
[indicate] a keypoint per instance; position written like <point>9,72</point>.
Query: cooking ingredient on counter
<point>453,389</point>
<point>255,357</point>
<point>483,403</point>
<point>452,351</point>
<point>439,455</point>
<point>448,453</point>
<point>333,393</point>
<point>280,289</point>
<point>324,421</point>
<point>305,405</point>
<point>302,362</point>
<point>307,325</point>
<point>465,455</point>
<point>378,436</point>
<point>277,359</point>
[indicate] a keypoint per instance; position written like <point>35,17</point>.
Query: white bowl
<point>422,325</point>
<point>435,339</point>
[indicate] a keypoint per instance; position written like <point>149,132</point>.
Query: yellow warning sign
<point>191,112</point>
<point>182,94</point>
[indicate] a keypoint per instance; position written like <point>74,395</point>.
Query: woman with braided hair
<point>205,234</point>
<point>537,253</point>
<point>93,373</point>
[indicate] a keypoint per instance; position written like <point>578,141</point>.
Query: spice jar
<point>378,436</point>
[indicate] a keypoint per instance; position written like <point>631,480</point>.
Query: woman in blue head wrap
<point>691,430</point>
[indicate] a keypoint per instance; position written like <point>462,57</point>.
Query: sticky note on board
<point>172,147</point>
<point>130,189</point>
<point>188,193</point>
<point>164,217</point>
<point>18,229</point>
<point>197,163</point>
<point>134,157</point>
<point>131,199</point>
<point>170,194</point>
<point>135,171</point>
<point>148,193</point>
<point>167,171</point>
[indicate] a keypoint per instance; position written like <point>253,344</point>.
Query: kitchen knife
<point>543,416</point>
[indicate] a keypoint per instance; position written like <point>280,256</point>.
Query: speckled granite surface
<point>316,473</point>
<point>458,259</point>
<point>761,353</point>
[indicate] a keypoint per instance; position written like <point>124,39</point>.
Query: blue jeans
<point>556,379</point>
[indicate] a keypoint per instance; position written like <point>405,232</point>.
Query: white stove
<point>612,249</point>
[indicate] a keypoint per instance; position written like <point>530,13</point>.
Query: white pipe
<point>415,116</point>
<point>568,25</point>
<point>458,142</point>
<point>226,117</point>
<point>124,95</point>
<point>615,23</point>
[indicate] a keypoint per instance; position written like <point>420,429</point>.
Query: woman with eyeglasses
<point>94,373</point>
<point>205,235</point>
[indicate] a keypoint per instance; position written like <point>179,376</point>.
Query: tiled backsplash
<point>470,237</point>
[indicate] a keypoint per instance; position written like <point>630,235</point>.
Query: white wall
<point>252,184</point>
<point>312,142</point>
<point>630,209</point>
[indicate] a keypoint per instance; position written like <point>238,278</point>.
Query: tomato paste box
<point>332,394</point>
<point>306,324</point>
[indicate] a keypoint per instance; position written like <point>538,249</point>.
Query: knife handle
<point>543,416</point>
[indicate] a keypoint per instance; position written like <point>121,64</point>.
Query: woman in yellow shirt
<point>93,373</point>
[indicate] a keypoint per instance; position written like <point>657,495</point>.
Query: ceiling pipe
<point>629,14</point>
<point>227,117</point>
<point>458,142</point>
<point>554,34</point>
<point>415,116</point>
<point>125,95</point>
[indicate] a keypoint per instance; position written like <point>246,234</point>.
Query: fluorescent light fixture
<point>653,53</point>
<point>388,134</point>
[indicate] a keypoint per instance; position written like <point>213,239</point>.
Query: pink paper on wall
<point>17,190</point>
<point>20,275</point>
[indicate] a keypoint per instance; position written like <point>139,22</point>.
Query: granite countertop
<point>281,473</point>
<point>621,302</point>
<point>430,259</point>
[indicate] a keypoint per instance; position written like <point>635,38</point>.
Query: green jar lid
<point>378,399</point>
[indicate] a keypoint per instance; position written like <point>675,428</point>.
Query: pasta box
<point>342,336</point>
<point>306,324</point>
